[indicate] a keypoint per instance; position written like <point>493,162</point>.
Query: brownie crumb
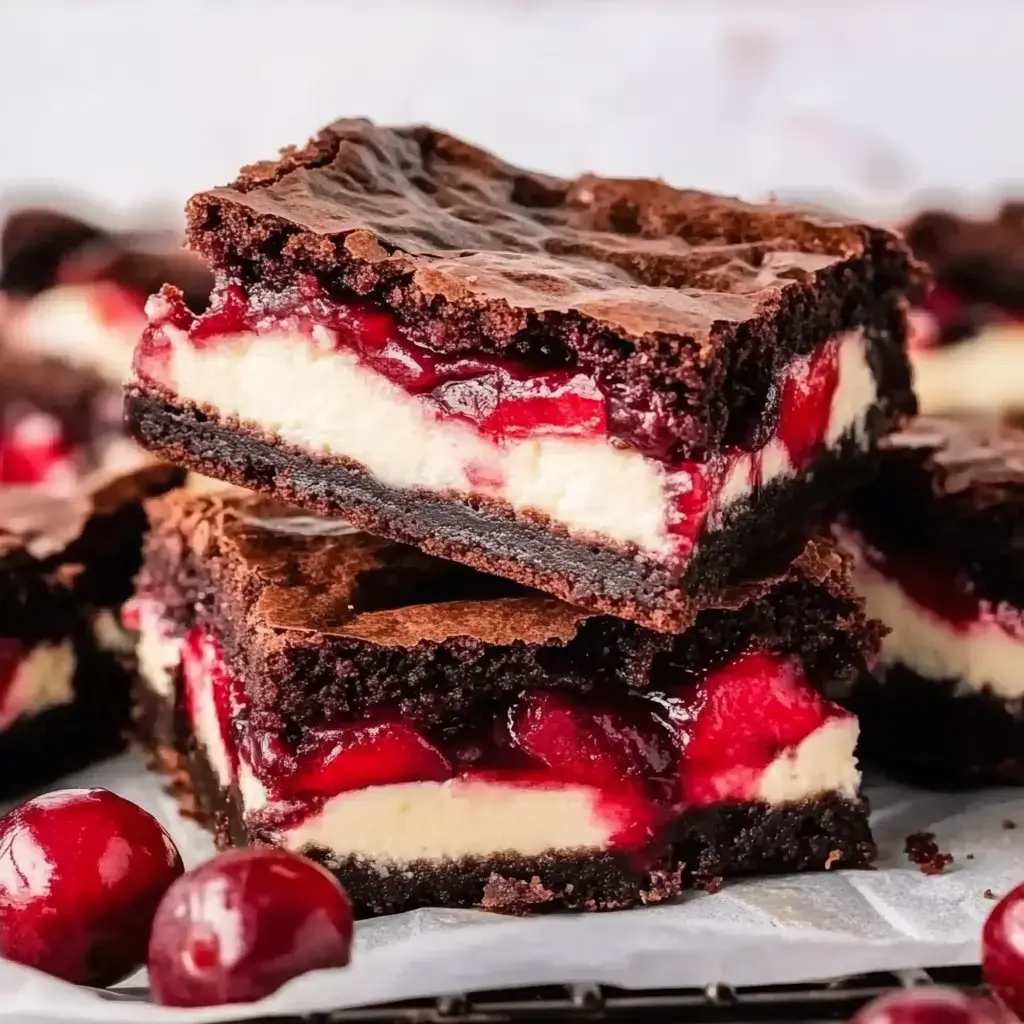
<point>1008,824</point>
<point>833,857</point>
<point>514,895</point>
<point>710,885</point>
<point>970,856</point>
<point>990,895</point>
<point>923,851</point>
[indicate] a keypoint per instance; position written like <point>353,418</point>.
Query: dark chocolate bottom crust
<point>35,752</point>
<point>929,733</point>
<point>751,542</point>
<point>706,845</point>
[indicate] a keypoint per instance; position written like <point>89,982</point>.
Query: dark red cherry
<point>81,874</point>
<point>1002,950</point>
<point>930,1006</point>
<point>237,928</point>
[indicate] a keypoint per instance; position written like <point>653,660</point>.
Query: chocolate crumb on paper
<point>922,850</point>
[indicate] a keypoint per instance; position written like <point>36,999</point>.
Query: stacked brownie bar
<point>641,401</point>
<point>71,310</point>
<point>66,566</point>
<point>968,338</point>
<point>938,539</point>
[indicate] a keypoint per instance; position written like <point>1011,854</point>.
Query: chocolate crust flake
<point>684,301</point>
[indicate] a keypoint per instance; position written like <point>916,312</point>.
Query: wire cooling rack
<point>715,1004</point>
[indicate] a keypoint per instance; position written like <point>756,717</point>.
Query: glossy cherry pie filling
<point>533,772</point>
<point>341,379</point>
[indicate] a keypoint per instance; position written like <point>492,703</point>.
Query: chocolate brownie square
<point>616,391</point>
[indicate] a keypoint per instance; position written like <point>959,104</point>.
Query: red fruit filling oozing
<point>645,756</point>
<point>948,595</point>
<point>506,401</point>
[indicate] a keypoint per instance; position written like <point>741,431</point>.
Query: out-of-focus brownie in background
<point>72,298</point>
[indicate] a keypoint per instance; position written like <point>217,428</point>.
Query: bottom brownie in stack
<point>939,558</point>
<point>66,566</point>
<point>441,737</point>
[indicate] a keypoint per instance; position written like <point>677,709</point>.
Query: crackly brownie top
<point>46,526</point>
<point>632,278</point>
<point>953,489</point>
<point>316,575</point>
<point>980,260</point>
<point>41,247</point>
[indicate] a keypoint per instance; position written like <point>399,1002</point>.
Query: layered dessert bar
<point>967,339</point>
<point>66,566</point>
<point>939,546</point>
<point>615,391</point>
<point>437,736</point>
<point>72,298</point>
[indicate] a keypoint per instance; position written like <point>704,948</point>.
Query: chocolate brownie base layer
<point>490,537</point>
<point>933,734</point>
<point>707,845</point>
<point>37,751</point>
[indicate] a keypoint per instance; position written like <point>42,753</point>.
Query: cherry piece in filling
<point>930,1006</point>
<point>81,874</point>
<point>237,928</point>
<point>1002,950</point>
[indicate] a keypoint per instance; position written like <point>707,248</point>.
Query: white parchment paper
<point>759,931</point>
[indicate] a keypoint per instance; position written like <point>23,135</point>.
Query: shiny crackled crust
<point>688,301</point>
<point>337,626</point>
<point>953,489</point>
<point>708,844</point>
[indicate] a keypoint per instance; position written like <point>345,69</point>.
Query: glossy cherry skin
<point>1002,950</point>
<point>237,928</point>
<point>930,1006</point>
<point>82,872</point>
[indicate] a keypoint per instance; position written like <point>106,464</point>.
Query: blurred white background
<point>871,101</point>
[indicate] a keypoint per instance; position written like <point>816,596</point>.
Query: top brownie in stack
<point>71,309</point>
<point>619,392</point>
<point>968,345</point>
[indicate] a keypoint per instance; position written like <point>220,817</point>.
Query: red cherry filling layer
<point>933,585</point>
<point>645,756</point>
<point>508,402</point>
<point>947,317</point>
<point>34,450</point>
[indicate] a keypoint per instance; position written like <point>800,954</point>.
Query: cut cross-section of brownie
<point>66,566</point>
<point>438,736</point>
<point>72,299</point>
<point>612,390</point>
<point>939,545</point>
<point>967,340</point>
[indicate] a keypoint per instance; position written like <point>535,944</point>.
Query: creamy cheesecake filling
<point>980,375</point>
<point>522,802</point>
<point>34,680</point>
<point>980,645</point>
<point>324,399</point>
<point>90,326</point>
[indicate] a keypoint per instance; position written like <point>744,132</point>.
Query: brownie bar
<point>967,341</point>
<point>65,665</point>
<point>938,541</point>
<point>624,372</point>
<point>71,309</point>
<point>293,670</point>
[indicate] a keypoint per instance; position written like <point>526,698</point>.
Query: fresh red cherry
<point>1002,950</point>
<point>930,1006</point>
<point>237,928</point>
<point>81,874</point>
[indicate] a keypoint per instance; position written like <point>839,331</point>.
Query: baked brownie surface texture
<point>612,365</point>
<point>303,673</point>
<point>65,663</point>
<point>71,309</point>
<point>967,338</point>
<point>938,543</point>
